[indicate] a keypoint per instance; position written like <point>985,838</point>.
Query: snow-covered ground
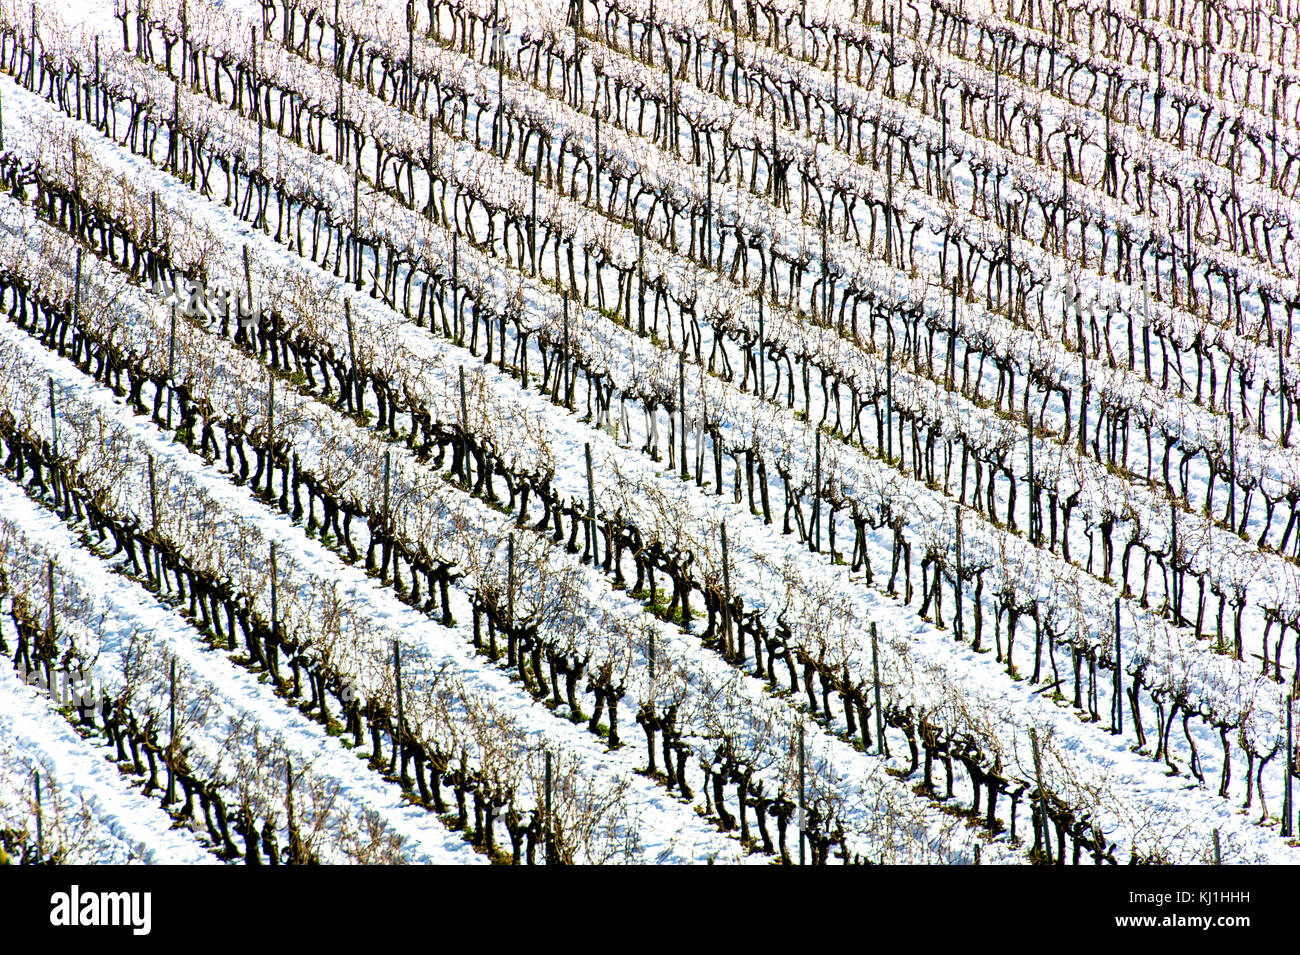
<point>1142,804</point>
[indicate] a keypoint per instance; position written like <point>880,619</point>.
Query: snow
<point>1132,797</point>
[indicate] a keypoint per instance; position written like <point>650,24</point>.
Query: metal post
<point>455,295</point>
<point>400,730</point>
<point>1042,796</point>
<point>464,427</point>
<point>248,283</point>
<point>952,339</point>
<point>338,114</point>
<point>49,572</point>
<point>275,607</point>
<point>726,591</point>
<point>681,393</point>
<point>762,368</point>
<point>802,790</point>
<point>1288,769</point>
<point>388,465</point>
<point>1218,853</point>
<point>1175,603</point>
<point>550,837</point>
<point>889,390</point>
<point>352,352</point>
<point>510,581</point>
<point>826,276</point>
<point>1029,474</point>
<point>708,213</point>
<point>410,56</point>
<point>428,209</point>
<point>958,629</point>
<point>889,188</point>
<point>54,421</point>
<point>31,63</point>
<point>153,515</point>
<point>356,221</point>
<point>882,747</point>
<point>1119,676</point>
<point>815,538</point>
<point>153,495</point>
<point>1232,462</point>
<point>171,746</point>
<point>640,266</point>
<point>171,360</point>
<point>591,509</point>
<point>564,362</point>
<point>595,115</point>
<point>497,43</point>
<point>40,823</point>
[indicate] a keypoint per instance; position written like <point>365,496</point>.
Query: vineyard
<point>620,431</point>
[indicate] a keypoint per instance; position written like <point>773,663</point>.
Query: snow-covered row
<point>235,731</point>
<point>1224,558</point>
<point>774,575</point>
<point>89,812</point>
<point>785,69</point>
<point>355,633</point>
<point>427,509</point>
